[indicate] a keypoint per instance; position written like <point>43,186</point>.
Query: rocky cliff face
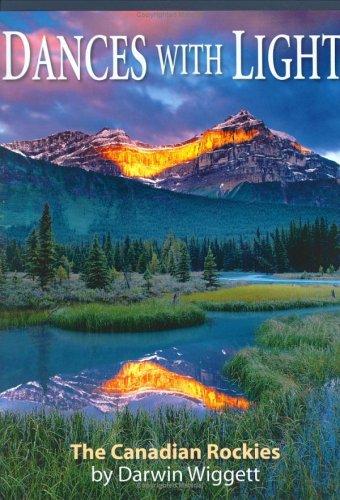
<point>240,149</point>
<point>270,156</point>
<point>74,149</point>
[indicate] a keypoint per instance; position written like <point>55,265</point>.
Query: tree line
<point>311,247</point>
<point>42,259</point>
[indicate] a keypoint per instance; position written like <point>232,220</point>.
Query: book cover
<point>169,250</point>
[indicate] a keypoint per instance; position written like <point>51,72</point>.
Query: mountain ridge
<point>239,149</point>
<point>87,203</point>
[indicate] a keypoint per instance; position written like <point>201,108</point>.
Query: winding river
<point>258,278</point>
<point>62,369</point>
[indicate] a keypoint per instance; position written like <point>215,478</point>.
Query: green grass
<point>287,333</point>
<point>36,460</point>
<point>263,298</point>
<point>149,315</point>
<point>293,355</point>
<point>24,318</point>
<point>291,405</point>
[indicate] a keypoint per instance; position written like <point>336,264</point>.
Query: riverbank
<point>23,317</point>
<point>309,276</point>
<point>300,420</point>
<point>134,314</point>
<point>146,316</point>
<point>291,356</point>
<point>21,292</point>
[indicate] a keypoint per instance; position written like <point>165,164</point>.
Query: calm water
<point>258,278</point>
<point>56,368</point>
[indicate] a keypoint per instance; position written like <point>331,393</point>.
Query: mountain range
<point>84,203</point>
<point>240,150</point>
<point>246,176</point>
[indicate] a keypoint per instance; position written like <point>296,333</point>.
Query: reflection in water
<point>42,343</point>
<point>146,376</point>
<point>60,369</point>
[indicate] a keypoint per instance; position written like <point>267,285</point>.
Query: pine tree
<point>171,267</point>
<point>96,274</point>
<point>118,258</point>
<point>131,259</point>
<point>333,245</point>
<point>142,262</point>
<point>109,252</point>
<point>14,256</point>
<point>331,270</point>
<point>77,259</point>
<point>194,254</point>
<point>32,254</point>
<point>3,266</point>
<point>46,254</point>
<point>169,254</point>
<point>148,279</point>
<point>66,265</point>
<point>154,264</point>
<point>113,274</point>
<point>280,254</point>
<point>126,255</point>
<point>61,274</point>
<point>183,267</point>
<point>210,274</point>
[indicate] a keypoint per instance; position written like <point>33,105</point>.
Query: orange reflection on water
<point>144,376</point>
<point>136,161</point>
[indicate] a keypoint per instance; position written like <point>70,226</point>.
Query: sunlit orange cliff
<point>136,159</point>
<point>146,376</point>
<point>241,149</point>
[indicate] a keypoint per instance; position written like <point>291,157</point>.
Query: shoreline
<point>308,276</point>
<point>290,400</point>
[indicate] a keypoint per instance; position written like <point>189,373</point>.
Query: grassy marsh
<point>264,297</point>
<point>293,411</point>
<point>292,355</point>
<point>149,315</point>
<point>23,317</point>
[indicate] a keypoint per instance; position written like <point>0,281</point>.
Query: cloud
<point>168,109</point>
<point>333,155</point>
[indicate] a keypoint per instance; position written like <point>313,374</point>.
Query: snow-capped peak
<point>238,120</point>
<point>283,135</point>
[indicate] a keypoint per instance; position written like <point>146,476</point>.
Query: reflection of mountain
<point>146,376</point>
<point>42,342</point>
<point>84,203</point>
<point>79,391</point>
<point>240,149</point>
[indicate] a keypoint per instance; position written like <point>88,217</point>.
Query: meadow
<point>72,306</point>
<point>264,297</point>
<point>295,409</point>
<point>149,315</point>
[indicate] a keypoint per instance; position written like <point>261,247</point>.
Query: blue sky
<point>169,109</point>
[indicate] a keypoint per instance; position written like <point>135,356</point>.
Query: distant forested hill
<point>317,193</point>
<point>84,203</point>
